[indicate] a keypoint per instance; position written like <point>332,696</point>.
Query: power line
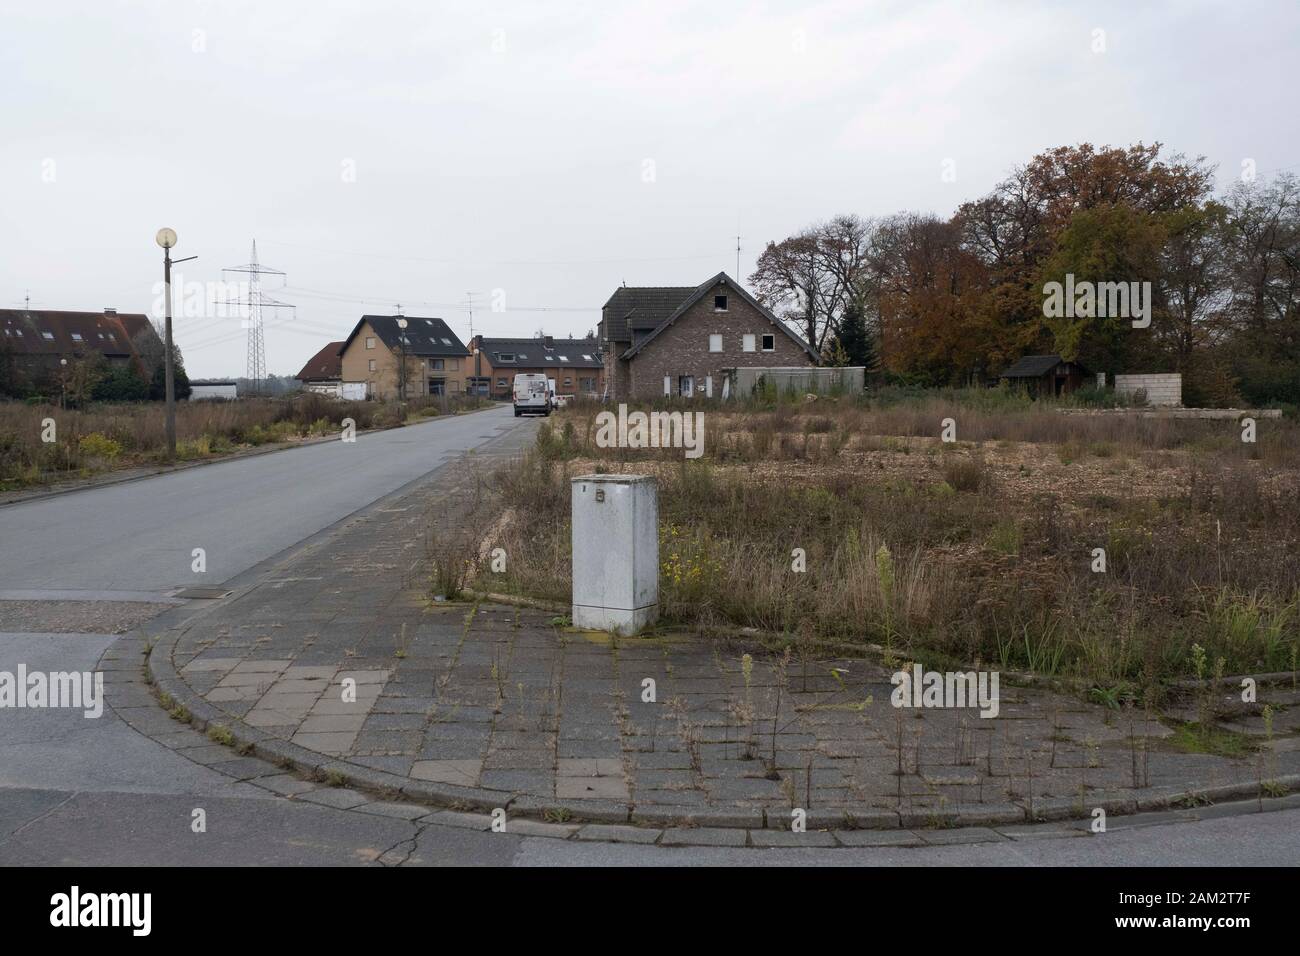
<point>286,325</point>
<point>496,262</point>
<point>343,298</point>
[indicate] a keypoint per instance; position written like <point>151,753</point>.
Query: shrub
<point>122,384</point>
<point>99,447</point>
<point>965,474</point>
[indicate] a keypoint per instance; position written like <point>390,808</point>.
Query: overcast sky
<point>545,153</point>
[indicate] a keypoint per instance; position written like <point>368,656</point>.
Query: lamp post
<point>167,238</point>
<point>63,383</point>
<point>401,376</point>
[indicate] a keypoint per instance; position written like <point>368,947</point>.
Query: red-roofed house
<point>324,370</point>
<point>34,342</point>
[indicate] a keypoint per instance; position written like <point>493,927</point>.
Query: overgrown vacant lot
<point>106,436</point>
<point>949,553</point>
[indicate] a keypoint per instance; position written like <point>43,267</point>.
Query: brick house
<point>436,360</point>
<point>35,344</point>
<point>576,365</point>
<point>686,340</point>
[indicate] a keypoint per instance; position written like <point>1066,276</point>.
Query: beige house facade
<point>436,361</point>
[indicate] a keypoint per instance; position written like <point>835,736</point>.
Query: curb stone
<point>288,755</point>
<point>704,836</point>
<point>787,838</point>
<point>962,835</point>
<point>618,834</point>
<point>770,837</point>
<point>869,838</point>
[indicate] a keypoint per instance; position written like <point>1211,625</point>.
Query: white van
<point>531,394</point>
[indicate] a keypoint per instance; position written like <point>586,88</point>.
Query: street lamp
<point>401,324</point>
<point>63,383</point>
<point>167,238</point>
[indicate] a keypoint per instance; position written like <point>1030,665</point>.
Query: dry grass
<point>106,436</point>
<point>980,549</point>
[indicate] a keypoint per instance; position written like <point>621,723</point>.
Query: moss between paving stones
<point>166,680</point>
<point>756,838</point>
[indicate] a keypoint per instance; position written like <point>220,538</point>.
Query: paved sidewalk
<point>336,662</point>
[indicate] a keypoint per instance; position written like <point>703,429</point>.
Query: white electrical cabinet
<point>615,552</point>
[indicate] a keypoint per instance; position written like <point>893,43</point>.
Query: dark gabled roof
<point>1036,366</point>
<point>39,332</point>
<point>424,336</point>
<point>700,292</point>
<point>643,307</point>
<point>535,353</point>
<point>325,365</point>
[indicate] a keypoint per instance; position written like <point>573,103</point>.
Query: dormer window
<point>719,303</point>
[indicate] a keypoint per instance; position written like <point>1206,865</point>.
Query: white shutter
<point>668,385</point>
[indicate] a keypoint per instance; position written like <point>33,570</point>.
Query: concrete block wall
<point>816,380</point>
<point>1161,389</point>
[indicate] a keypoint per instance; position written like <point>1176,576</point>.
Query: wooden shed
<point>1046,375</point>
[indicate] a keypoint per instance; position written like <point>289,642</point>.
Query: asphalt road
<point>141,535</point>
